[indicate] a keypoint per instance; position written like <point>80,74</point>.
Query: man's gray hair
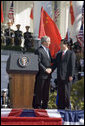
<point>45,39</point>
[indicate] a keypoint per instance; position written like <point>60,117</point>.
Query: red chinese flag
<point>2,18</point>
<point>31,14</point>
<point>72,13</point>
<point>49,28</point>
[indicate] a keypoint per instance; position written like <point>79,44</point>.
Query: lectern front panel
<point>22,90</point>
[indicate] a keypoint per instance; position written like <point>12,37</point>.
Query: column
<point>64,8</point>
<point>37,12</point>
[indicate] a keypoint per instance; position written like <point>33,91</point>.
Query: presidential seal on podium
<point>23,62</point>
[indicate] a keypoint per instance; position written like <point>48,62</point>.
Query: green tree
<point>77,95</point>
<point>52,100</point>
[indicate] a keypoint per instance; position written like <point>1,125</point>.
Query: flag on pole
<point>56,11</point>
<point>31,13</point>
<point>68,35</point>
<point>11,13</point>
<point>2,17</point>
<point>72,13</point>
<point>49,28</point>
<point>80,36</point>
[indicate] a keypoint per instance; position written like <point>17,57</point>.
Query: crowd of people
<point>14,38</point>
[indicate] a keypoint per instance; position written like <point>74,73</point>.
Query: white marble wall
<point>63,22</point>
<point>23,9</point>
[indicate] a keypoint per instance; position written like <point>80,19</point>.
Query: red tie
<point>62,54</point>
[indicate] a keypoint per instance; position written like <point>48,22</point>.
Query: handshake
<point>48,70</point>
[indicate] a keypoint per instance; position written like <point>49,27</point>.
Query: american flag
<point>56,11</point>
<point>80,36</point>
<point>11,13</point>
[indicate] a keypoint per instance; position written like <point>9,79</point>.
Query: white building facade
<point>22,11</point>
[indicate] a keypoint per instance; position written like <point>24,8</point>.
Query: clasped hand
<point>48,70</point>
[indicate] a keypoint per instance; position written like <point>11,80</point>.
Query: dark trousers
<point>8,41</point>
<point>17,41</point>
<point>28,44</point>
<point>64,94</point>
<point>41,93</point>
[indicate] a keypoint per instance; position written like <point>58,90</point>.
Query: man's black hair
<point>64,41</point>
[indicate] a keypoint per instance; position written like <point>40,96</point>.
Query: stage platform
<point>41,117</point>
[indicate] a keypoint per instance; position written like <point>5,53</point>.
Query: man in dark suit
<point>43,76</point>
<point>65,64</point>
<point>18,35</point>
<point>28,38</point>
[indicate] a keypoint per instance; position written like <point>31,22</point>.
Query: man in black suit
<point>18,35</point>
<point>43,76</point>
<point>65,64</point>
<point>28,38</point>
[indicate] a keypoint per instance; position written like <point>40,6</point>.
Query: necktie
<point>47,52</point>
<point>62,54</point>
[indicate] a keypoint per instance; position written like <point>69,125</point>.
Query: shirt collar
<point>65,51</point>
<point>44,47</point>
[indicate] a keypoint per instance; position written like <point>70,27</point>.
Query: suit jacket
<point>65,65</point>
<point>28,39</point>
<point>27,35</point>
<point>8,33</point>
<point>44,62</point>
<point>18,34</point>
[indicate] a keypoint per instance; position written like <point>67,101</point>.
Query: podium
<point>22,69</point>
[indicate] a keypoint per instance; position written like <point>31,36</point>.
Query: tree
<point>77,95</point>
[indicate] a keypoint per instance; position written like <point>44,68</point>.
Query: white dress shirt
<point>65,51</point>
<point>46,49</point>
